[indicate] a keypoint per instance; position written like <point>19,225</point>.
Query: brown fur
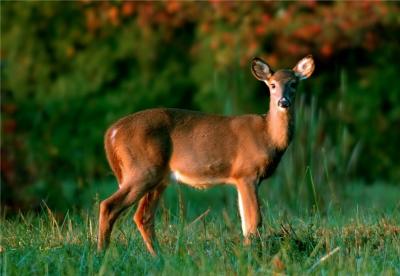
<point>199,149</point>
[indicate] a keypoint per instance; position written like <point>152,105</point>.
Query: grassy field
<point>361,235</point>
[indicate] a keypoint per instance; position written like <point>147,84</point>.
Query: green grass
<point>363,231</point>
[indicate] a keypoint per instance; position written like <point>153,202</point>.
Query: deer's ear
<point>304,68</point>
<point>260,69</point>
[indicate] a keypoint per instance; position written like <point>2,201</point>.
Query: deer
<point>146,148</point>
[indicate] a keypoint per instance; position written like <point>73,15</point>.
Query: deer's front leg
<point>249,209</point>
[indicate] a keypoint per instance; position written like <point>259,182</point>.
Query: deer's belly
<point>198,181</point>
<point>201,172</point>
<point>200,168</point>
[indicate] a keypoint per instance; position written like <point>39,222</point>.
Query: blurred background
<point>70,69</point>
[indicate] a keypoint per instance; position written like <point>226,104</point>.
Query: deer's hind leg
<point>140,166</point>
<point>131,190</point>
<point>144,216</point>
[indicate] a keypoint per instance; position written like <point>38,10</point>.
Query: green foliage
<point>69,70</point>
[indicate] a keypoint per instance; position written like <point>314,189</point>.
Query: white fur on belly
<point>199,182</point>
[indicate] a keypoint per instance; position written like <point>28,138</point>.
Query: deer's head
<point>282,83</point>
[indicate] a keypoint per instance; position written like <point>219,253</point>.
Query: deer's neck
<point>280,126</point>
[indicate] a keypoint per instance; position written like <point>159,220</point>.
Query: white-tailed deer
<point>201,150</point>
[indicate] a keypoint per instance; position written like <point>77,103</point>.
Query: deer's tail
<point>111,153</point>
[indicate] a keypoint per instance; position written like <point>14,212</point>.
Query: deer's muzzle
<point>284,102</point>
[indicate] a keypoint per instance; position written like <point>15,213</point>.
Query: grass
<point>361,235</point>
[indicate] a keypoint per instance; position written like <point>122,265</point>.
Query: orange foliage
<point>113,15</point>
<point>326,50</point>
<point>308,32</point>
<point>128,8</point>
<point>295,29</point>
<point>92,23</point>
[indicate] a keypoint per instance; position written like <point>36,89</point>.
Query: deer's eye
<point>273,85</point>
<point>293,85</point>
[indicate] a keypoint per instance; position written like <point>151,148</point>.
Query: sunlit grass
<point>363,236</point>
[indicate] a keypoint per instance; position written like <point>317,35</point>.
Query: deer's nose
<point>284,102</point>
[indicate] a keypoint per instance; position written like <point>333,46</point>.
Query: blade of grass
<point>198,218</point>
<point>323,259</point>
<point>308,170</point>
